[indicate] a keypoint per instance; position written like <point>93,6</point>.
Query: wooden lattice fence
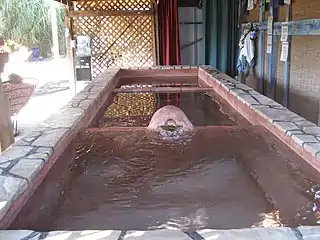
<point>122,32</point>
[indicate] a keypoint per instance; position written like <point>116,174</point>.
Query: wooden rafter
<point>94,13</point>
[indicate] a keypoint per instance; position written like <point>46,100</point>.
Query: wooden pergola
<point>123,33</point>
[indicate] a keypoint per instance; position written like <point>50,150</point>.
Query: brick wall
<point>305,63</point>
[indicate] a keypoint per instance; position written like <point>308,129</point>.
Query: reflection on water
<point>137,109</point>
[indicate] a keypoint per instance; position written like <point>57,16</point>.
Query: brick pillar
<point>6,130</point>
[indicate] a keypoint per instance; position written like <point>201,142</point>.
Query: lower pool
<point>220,177</point>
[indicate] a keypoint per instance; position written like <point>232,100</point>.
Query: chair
<point>18,94</point>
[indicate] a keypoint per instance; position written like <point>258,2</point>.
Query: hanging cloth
<point>169,46</point>
<point>246,54</point>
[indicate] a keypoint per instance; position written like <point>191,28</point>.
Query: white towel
<point>247,47</point>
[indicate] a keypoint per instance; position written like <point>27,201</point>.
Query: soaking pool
<point>249,163</point>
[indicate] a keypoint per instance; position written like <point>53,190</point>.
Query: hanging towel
<point>246,54</point>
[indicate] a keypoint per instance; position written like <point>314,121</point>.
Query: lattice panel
<point>113,5</point>
<point>118,40</point>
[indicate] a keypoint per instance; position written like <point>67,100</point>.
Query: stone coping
<point>301,233</point>
<point>24,165</point>
<point>296,132</point>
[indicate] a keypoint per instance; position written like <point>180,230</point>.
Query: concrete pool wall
<point>25,164</point>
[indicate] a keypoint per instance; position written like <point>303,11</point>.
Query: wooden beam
<point>161,89</point>
<point>6,129</point>
<point>90,13</point>
<point>54,29</point>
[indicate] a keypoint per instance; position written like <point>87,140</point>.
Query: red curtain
<point>169,47</point>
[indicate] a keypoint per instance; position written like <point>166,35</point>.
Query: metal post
<point>287,64</point>
<point>261,49</point>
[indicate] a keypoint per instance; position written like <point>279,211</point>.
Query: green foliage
<point>27,22</point>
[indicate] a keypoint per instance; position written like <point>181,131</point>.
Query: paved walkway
<point>52,91</point>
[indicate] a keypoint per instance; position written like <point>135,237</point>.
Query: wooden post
<point>54,26</point>
<point>70,50</point>
<point>6,129</point>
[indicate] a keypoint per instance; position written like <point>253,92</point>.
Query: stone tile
<point>313,148</point>
<point>27,168</point>
<point>51,137</point>
<point>253,233</point>
<point>156,235</point>
<point>244,87</point>
<point>45,150</point>
<point>286,126</point>
<point>264,100</point>
<point>93,96</point>
<point>223,76</point>
<point>80,96</point>
<point>238,91</point>
<point>228,87</point>
<point>310,233</point>
<point>43,156</point>
<point>84,235</point>
<point>312,130</point>
<point>19,234</point>
<point>31,137</point>
<point>304,123</point>
<point>14,152</point>
<point>272,115</point>
<point>85,103</point>
<point>66,118</point>
<point>10,189</point>
<point>294,132</point>
<point>211,71</point>
<point>302,139</point>
<point>5,164</point>
<point>111,72</point>
<point>248,100</point>
<point>97,88</point>
<point>257,108</point>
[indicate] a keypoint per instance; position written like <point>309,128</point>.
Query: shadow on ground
<point>52,87</point>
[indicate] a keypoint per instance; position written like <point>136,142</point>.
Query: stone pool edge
<point>25,163</point>
<point>310,233</point>
<point>300,135</point>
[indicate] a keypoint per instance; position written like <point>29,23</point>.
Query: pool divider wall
<point>161,74</point>
<point>300,135</point>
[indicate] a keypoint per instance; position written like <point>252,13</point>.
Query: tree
<point>27,22</point>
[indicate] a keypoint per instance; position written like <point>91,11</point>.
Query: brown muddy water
<point>136,110</point>
<point>227,176</point>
